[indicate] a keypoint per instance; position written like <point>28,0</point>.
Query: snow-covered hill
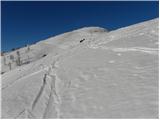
<point>86,73</point>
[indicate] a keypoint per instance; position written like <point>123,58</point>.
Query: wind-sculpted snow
<point>86,73</point>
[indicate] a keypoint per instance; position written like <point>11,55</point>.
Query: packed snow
<point>86,73</point>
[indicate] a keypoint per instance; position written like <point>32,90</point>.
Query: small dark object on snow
<point>44,55</point>
<point>82,40</point>
<point>2,72</point>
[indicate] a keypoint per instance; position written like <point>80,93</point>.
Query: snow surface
<point>107,75</point>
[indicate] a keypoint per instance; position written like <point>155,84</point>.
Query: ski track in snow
<point>40,92</point>
<point>20,114</point>
<point>153,51</point>
<point>51,74</point>
<point>21,78</point>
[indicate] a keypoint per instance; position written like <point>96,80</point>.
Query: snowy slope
<point>106,75</point>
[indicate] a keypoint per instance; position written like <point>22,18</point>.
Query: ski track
<point>153,51</point>
<point>51,74</point>
<point>54,92</point>
<point>40,92</point>
<point>27,76</point>
<point>47,105</point>
<point>20,114</point>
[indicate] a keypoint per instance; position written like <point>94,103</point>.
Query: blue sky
<point>28,22</point>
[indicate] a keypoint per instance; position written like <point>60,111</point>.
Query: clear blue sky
<point>27,22</point>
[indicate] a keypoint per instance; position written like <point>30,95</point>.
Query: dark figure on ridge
<point>82,40</point>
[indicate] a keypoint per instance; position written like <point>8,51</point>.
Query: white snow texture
<point>85,73</point>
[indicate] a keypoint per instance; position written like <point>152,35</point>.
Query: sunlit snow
<point>86,73</point>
